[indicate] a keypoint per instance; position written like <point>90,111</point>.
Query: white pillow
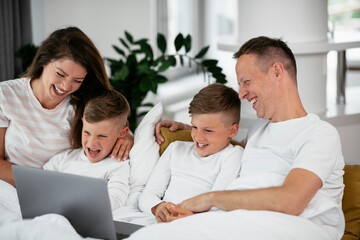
<point>144,154</point>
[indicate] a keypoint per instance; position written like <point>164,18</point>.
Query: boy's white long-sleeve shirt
<point>115,173</point>
<point>181,174</point>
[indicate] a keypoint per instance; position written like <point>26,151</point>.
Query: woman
<point>36,112</point>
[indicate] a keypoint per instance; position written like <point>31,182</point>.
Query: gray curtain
<point>15,32</point>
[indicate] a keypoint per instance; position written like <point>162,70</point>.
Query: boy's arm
<point>230,168</point>
<point>118,184</point>
<point>157,184</point>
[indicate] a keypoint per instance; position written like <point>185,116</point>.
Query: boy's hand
<point>161,212</point>
<point>122,147</point>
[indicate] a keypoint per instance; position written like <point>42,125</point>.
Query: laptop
<point>84,201</point>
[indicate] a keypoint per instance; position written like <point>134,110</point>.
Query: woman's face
<point>59,79</point>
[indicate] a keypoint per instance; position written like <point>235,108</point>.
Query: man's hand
<point>177,212</point>
<point>122,147</point>
<point>172,125</point>
<point>199,203</point>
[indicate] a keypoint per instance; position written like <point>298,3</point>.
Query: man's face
<point>255,86</point>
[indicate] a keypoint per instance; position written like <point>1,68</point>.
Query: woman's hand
<point>122,147</point>
<point>172,125</point>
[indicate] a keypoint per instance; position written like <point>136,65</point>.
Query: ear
<point>234,130</point>
<point>277,70</point>
<point>123,132</point>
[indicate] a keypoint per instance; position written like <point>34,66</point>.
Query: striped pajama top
<point>34,134</point>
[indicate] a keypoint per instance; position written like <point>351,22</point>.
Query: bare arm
<point>292,197</point>
<point>5,167</point>
<point>172,125</point>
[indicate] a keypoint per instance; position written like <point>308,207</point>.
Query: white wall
<point>103,21</point>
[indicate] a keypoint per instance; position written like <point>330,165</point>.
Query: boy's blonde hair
<point>217,98</point>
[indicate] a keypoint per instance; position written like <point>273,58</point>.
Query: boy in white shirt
<point>104,122</point>
<point>209,163</point>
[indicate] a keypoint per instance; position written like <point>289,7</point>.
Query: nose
<point>66,84</point>
<point>242,93</point>
<point>91,141</point>
<point>198,136</point>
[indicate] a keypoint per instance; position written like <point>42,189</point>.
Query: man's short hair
<point>107,106</point>
<point>268,51</point>
<point>217,98</point>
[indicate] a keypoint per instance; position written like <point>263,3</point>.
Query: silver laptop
<point>84,201</point>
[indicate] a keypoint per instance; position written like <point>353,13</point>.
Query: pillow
<point>351,202</point>
<point>180,135</point>
<point>144,154</point>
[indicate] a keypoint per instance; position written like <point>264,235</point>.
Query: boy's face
<point>211,132</point>
<point>98,139</point>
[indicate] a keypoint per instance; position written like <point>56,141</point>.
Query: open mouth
<point>253,100</point>
<point>58,91</point>
<point>93,153</point>
<point>200,145</point>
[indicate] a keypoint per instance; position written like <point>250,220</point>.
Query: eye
<point>209,131</point>
<point>78,81</point>
<point>86,132</point>
<point>194,127</point>
<point>102,136</point>
<point>59,74</point>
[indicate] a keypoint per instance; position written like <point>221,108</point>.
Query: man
<point>290,185</point>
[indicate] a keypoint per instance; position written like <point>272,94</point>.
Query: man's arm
<point>5,167</point>
<point>292,197</point>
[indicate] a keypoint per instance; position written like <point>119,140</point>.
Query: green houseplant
<point>138,71</point>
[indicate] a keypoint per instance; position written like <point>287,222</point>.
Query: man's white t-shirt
<point>273,149</point>
<point>181,174</point>
<point>115,173</point>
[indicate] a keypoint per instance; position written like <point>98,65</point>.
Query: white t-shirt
<point>273,149</point>
<point>181,174</point>
<point>115,173</point>
<point>33,134</point>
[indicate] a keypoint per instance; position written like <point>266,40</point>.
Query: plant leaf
<point>187,43</point>
<point>119,50</point>
<point>164,66</point>
<point>129,37</point>
<point>160,79</point>
<point>147,50</point>
<point>123,73</point>
<point>181,60</point>
<point>124,43</point>
<point>141,41</point>
<point>143,68</point>
<point>209,62</point>
<point>202,52</point>
<point>179,41</point>
<point>172,59</point>
<point>147,104</point>
<point>159,59</point>
<point>161,42</point>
